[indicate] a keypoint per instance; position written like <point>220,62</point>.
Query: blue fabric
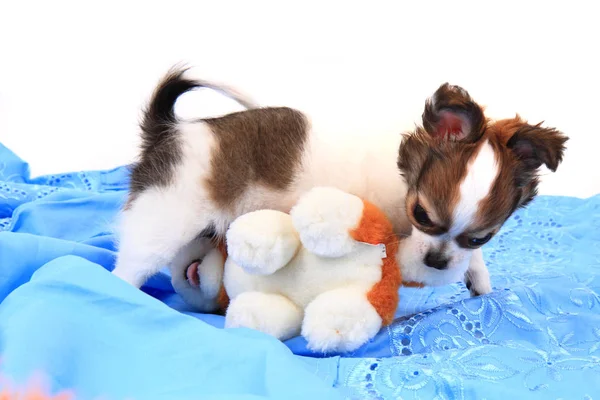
<point>61,312</point>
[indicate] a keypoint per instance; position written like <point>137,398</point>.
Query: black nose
<point>436,260</point>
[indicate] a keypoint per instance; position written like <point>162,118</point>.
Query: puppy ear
<point>534,146</point>
<point>451,114</point>
<point>412,155</point>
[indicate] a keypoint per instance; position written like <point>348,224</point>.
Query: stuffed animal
<point>327,271</point>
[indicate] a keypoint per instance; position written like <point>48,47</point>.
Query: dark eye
<point>478,242</point>
<point>421,216</point>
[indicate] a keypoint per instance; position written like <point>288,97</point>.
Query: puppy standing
<point>450,184</point>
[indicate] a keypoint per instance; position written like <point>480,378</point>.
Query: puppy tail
<point>159,116</point>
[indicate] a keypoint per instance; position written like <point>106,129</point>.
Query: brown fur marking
<point>261,146</point>
<point>520,149</point>
<point>413,284</point>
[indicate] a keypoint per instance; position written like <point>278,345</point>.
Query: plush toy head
<point>327,270</point>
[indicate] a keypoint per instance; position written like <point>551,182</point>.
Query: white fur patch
<point>340,320</point>
<point>272,314</point>
<point>476,185</point>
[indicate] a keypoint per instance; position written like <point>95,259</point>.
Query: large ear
<point>412,155</point>
<point>451,114</point>
<point>534,146</point>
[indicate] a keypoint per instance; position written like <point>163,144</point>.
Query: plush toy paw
<point>272,314</point>
<point>325,218</point>
<point>340,320</point>
<point>262,242</point>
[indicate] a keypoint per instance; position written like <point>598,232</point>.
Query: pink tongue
<point>192,274</point>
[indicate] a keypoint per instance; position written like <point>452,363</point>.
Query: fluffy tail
<point>160,114</point>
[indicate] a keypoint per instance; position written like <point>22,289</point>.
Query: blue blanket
<point>63,314</point>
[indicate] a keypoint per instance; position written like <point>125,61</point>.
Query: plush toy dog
<point>327,270</point>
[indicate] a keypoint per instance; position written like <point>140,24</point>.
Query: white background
<point>75,74</point>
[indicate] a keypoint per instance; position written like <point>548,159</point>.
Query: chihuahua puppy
<point>447,187</point>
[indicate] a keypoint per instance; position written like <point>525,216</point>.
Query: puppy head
<point>465,177</point>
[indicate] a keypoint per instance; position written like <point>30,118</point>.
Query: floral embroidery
<point>537,332</point>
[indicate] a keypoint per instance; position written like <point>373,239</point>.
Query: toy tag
<point>381,248</point>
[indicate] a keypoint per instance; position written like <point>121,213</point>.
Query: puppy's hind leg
<point>155,226</point>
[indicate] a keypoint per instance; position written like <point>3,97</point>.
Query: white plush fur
<point>270,313</point>
<point>306,275</point>
<point>325,218</point>
<point>162,221</point>
<point>340,320</point>
<point>323,285</point>
<point>261,242</point>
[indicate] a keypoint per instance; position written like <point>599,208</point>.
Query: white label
<point>381,248</point>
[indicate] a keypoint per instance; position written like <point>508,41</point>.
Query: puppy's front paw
<point>477,277</point>
<point>324,218</point>
<point>478,287</point>
<point>262,242</point>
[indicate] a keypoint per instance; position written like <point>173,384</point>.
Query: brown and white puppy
<point>449,185</point>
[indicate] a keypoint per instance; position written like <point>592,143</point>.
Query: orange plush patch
<point>222,247</point>
<point>375,228</point>
<point>222,297</point>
